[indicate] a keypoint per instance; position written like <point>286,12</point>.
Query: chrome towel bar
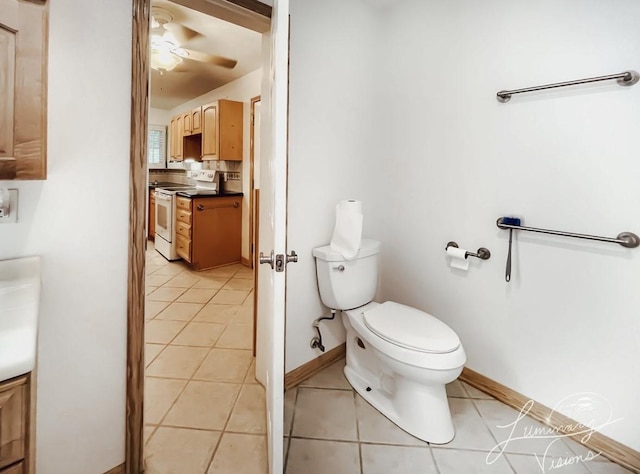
<point>627,78</point>
<point>626,239</point>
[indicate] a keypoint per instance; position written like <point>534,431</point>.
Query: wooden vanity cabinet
<point>23,89</point>
<point>209,231</point>
<point>222,130</point>
<point>14,420</point>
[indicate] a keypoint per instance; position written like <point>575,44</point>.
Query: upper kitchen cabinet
<point>222,130</point>
<point>196,120</point>
<point>23,89</point>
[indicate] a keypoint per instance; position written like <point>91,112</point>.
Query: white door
<point>272,233</point>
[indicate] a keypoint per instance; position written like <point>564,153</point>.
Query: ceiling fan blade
<point>208,58</point>
<point>182,34</point>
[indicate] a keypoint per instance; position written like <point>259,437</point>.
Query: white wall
<point>242,90</point>
<point>435,157</point>
<point>332,138</point>
<point>77,220</point>
<point>458,159</point>
<point>159,116</point>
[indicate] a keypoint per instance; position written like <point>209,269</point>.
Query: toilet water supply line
<point>316,342</point>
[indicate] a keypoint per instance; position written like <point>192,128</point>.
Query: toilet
<point>399,358</point>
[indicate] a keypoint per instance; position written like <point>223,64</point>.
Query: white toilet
<point>398,358</point>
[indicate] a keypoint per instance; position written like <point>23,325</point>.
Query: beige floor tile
<point>289,407</point>
<point>325,414</point>
<point>310,456</point>
<point>149,289</point>
<point>456,389</point>
<point>156,280</point>
<point>225,365</point>
<point>172,268</point>
<point>244,315</point>
<point>182,280</point>
<point>230,297</point>
<point>241,453</point>
<point>151,351</point>
<point>522,463</point>
<point>331,377</point>
<point>474,392</point>
<point>179,451</point>
<point>178,362</point>
<point>470,430</point>
<point>152,308</point>
<point>159,395</point>
<point>156,259</point>
<point>199,334</point>
<point>217,313</point>
<point>249,299</point>
<point>204,405</point>
<point>380,459</point>
<point>166,294</point>
<point>149,269</point>
<point>180,311</point>
<point>148,432</point>
<point>249,415</point>
<point>456,461</point>
<point>251,373</point>
<point>221,272</point>
<point>239,284</point>
<point>245,273</point>
<point>162,332</point>
<point>197,295</point>
<point>213,283</point>
<point>236,336</point>
<point>374,427</point>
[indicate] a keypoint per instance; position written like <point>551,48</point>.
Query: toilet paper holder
<point>482,253</point>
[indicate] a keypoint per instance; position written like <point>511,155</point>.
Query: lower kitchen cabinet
<point>209,230</point>
<point>14,410</point>
<point>151,232</point>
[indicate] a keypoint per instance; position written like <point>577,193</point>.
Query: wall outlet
<point>9,213</point>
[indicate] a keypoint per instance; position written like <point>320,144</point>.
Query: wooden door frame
<point>252,184</point>
<point>138,192</point>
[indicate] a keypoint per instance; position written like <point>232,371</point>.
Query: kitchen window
<point>157,146</point>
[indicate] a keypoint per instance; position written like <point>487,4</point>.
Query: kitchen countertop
<point>164,184</point>
<point>198,193</point>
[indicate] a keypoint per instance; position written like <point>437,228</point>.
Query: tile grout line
<point>293,417</point>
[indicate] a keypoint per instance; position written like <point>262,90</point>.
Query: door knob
<point>262,259</point>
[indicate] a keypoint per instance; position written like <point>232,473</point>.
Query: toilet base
<point>422,411</point>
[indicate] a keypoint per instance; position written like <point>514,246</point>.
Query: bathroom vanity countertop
<point>19,306</point>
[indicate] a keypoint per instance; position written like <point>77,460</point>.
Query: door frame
<point>253,13</point>
<point>252,183</point>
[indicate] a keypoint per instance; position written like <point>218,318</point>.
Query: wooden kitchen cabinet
<point>222,124</point>
<point>15,469</point>
<point>209,231</point>
<point>196,120</point>
<point>178,138</point>
<point>23,89</point>
<point>14,412</point>
<point>151,231</point>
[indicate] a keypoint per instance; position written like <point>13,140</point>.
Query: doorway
<point>135,362</point>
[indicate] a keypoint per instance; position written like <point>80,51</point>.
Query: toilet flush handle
<point>340,268</point>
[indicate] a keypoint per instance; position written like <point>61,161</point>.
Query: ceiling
<point>193,78</point>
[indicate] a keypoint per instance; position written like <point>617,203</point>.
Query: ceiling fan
<point>168,39</point>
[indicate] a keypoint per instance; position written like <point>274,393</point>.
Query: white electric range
<point>165,239</point>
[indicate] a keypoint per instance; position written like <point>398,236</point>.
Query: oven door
<point>164,215</point>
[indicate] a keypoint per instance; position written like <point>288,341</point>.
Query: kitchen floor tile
<point>456,461</point>
<point>199,334</point>
<point>159,395</point>
<point>182,280</point>
<point>203,405</point>
<point>166,294</point>
<point>230,297</point>
<point>380,459</point>
<point>331,377</point>
<point>249,299</point>
<point>249,415</point>
<point>236,336</point>
<point>171,268</point>
<point>149,289</point>
<point>149,269</point>
<point>244,315</point>
<point>217,313</point>
<point>212,283</point>
<point>197,295</point>
<point>251,373</point>
<point>240,453</point>
<point>151,351</point>
<point>221,272</point>
<point>225,365</point>
<point>325,414</point>
<point>180,311</point>
<point>162,332</point>
<point>179,451</point>
<point>156,280</point>
<point>310,456</point>
<point>244,273</point>
<point>238,284</point>
<point>148,432</point>
<point>178,362</point>
<point>152,308</point>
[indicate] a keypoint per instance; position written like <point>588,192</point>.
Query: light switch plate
<point>11,215</point>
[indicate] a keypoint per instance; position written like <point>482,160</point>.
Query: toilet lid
<point>411,328</point>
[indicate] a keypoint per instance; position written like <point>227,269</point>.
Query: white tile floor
<point>330,429</point>
<point>204,410</point>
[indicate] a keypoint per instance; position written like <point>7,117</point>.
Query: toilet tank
<point>347,284</point>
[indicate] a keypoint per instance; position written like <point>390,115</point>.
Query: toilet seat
<point>410,328</point>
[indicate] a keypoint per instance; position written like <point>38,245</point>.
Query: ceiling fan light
<point>163,59</point>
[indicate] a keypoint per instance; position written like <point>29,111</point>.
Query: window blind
<point>157,146</point>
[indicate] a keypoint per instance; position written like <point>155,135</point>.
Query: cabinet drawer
<point>13,415</point>
<point>183,247</point>
<point>183,216</point>
<point>183,229</point>
<point>15,469</point>
<point>183,203</point>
